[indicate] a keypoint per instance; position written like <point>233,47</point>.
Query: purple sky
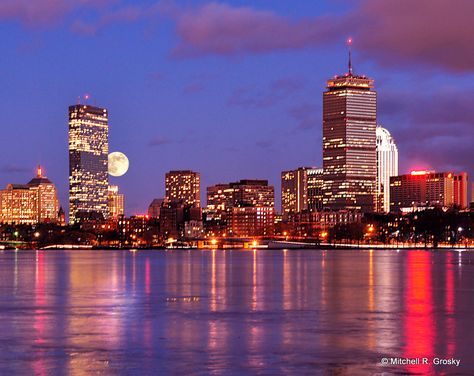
<point>230,89</point>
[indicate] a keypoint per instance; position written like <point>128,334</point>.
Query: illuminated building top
<point>350,80</point>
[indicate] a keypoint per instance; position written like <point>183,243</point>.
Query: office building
<point>175,219</point>
<point>472,193</point>
<point>460,190</point>
<point>294,191</point>
<point>116,202</point>
<point>31,203</point>
<point>313,223</point>
<point>349,142</point>
<point>154,207</point>
<point>301,189</point>
<point>183,187</point>
<point>315,183</point>
<point>245,192</point>
<point>234,208</point>
<point>420,190</point>
<point>251,221</point>
<point>387,166</point>
<point>88,163</point>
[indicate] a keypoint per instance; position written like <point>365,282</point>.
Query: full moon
<point>118,163</point>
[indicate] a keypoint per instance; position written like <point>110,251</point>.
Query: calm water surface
<point>234,312</point>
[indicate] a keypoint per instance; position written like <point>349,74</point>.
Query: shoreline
<point>314,248</point>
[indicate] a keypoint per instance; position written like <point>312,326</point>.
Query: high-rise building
<point>183,187</point>
<point>116,202</point>
<point>421,190</point>
<point>294,191</point>
<point>349,142</point>
<point>460,190</point>
<point>35,202</point>
<point>387,166</point>
<point>88,164</point>
<point>315,182</point>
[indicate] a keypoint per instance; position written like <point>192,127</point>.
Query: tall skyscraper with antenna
<point>349,142</point>
<point>88,163</point>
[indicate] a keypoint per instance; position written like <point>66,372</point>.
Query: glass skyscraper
<point>349,143</point>
<point>88,164</point>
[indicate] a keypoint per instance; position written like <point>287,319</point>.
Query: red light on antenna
<point>349,41</point>
<point>86,96</point>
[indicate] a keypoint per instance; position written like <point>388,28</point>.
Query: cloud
<point>264,144</point>
<point>276,92</point>
<point>306,115</point>
<point>156,76</point>
<point>436,33</point>
<point>424,116</point>
<point>193,88</point>
<point>432,129</point>
<point>433,33</point>
<point>128,14</point>
<point>220,29</point>
<point>441,154</point>
<point>14,169</point>
<point>39,13</point>
<point>159,141</point>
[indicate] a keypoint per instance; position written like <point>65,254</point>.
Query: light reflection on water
<point>233,312</point>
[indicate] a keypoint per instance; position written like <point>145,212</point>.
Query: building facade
<point>460,190</point>
<point>349,143</point>
<point>233,208</point>
<point>387,166</point>
<point>313,224</point>
<point>301,189</point>
<point>154,207</point>
<point>116,202</point>
<point>251,221</point>
<point>88,162</point>
<point>244,192</point>
<point>315,181</point>
<point>421,189</point>
<point>183,187</point>
<point>294,191</point>
<point>35,202</point>
<point>472,193</point>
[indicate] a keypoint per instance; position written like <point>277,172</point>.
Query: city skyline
<point>238,116</point>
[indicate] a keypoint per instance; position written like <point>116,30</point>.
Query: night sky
<point>230,89</point>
